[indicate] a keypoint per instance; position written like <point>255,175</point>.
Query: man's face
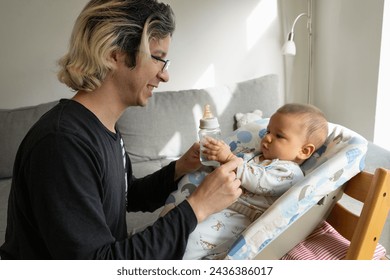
<point>136,84</point>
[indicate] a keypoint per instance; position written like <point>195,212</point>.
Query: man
<point>72,182</point>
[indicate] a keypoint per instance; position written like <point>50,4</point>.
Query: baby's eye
<point>279,136</point>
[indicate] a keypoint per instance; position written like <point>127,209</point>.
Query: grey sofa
<point>164,129</point>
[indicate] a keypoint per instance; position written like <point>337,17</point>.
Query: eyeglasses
<point>166,62</point>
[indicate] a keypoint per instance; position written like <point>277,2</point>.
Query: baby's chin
<point>266,154</point>
<point>264,157</point>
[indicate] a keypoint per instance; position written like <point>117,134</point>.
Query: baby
<point>294,133</point>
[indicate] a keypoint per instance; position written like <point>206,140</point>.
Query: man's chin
<point>143,103</point>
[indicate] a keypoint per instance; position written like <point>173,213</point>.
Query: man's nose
<point>163,76</point>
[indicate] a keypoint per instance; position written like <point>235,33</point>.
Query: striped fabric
<point>325,243</point>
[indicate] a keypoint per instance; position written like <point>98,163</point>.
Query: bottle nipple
<point>208,121</point>
<point>207,114</point>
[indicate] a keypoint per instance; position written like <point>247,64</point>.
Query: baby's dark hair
<point>314,121</point>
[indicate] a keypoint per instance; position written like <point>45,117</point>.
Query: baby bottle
<point>209,127</point>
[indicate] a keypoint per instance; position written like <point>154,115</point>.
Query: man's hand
<point>189,162</point>
<point>217,191</point>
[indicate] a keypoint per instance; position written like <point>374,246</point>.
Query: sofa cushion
<point>14,124</point>
<point>169,124</point>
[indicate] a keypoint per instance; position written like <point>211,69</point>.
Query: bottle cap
<point>208,120</point>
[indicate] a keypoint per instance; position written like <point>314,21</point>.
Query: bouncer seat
<point>294,215</point>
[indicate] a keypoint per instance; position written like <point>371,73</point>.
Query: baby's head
<point>294,133</point>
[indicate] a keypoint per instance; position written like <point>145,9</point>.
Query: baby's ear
<point>307,151</point>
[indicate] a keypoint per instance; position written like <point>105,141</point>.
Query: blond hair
<point>105,26</point>
<point>314,121</point>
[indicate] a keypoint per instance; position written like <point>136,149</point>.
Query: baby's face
<point>285,137</point>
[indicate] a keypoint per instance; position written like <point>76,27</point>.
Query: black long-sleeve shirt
<point>68,195</point>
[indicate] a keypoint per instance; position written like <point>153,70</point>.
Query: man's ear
<point>116,57</point>
<point>306,151</point>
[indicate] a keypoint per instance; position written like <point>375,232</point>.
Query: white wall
<point>347,39</point>
<point>346,56</point>
<point>296,67</point>
<point>34,34</point>
<point>381,134</point>
<point>216,42</point>
<point>223,41</point>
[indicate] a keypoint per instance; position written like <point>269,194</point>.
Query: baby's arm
<point>269,178</point>
<point>217,150</point>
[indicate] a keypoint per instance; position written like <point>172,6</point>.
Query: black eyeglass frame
<point>166,62</point>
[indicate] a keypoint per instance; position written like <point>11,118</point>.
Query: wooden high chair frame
<point>363,230</point>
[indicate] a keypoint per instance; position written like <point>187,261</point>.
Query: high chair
<point>348,235</point>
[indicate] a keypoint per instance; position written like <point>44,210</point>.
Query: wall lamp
<point>289,48</point>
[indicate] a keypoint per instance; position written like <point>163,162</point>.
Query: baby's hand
<point>217,150</point>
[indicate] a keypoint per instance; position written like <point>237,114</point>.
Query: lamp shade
<point>289,48</point>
